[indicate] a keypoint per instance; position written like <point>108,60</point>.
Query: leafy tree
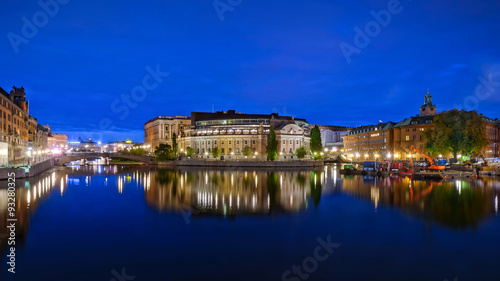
<point>272,144</point>
<point>456,132</point>
<point>301,152</point>
<point>175,145</point>
<point>164,152</point>
<point>316,146</point>
<point>215,152</point>
<point>189,151</point>
<point>247,151</point>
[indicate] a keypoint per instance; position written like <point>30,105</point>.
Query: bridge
<point>60,160</point>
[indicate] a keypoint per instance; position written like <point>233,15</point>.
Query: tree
<point>301,152</point>
<point>164,152</point>
<point>215,152</point>
<point>316,146</point>
<point>247,151</point>
<point>272,144</point>
<point>175,145</point>
<point>456,132</point>
<point>189,151</point>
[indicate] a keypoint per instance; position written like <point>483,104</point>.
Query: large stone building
<point>230,132</point>
<point>161,130</point>
<point>393,140</point>
<point>18,128</point>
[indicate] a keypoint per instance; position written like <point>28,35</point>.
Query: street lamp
<point>389,155</point>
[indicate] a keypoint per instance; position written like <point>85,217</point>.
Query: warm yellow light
<point>396,155</point>
<point>388,155</point>
<point>366,155</point>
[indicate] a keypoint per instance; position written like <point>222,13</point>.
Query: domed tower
<point>428,109</point>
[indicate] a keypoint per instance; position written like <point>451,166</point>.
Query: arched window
<point>230,150</point>
<point>222,151</point>
<point>238,150</point>
<point>291,151</point>
<point>203,150</point>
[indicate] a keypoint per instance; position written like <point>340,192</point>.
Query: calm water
<point>98,223</point>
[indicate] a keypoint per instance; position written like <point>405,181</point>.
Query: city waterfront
<point>106,222</point>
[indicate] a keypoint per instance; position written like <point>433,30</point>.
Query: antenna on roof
<point>212,108</point>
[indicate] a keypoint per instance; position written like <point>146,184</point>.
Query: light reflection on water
<point>455,205</point>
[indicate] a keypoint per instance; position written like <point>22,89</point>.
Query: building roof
<point>168,118</point>
<point>41,128</point>
<point>371,128</point>
<point>415,120</point>
<point>232,114</point>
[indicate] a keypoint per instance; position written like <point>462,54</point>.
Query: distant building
<point>116,146</point>
<point>332,136</point>
<point>161,129</point>
<point>57,141</point>
<point>84,146</point>
<point>393,140</point>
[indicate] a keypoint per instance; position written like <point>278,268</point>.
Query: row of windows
<point>222,142</point>
<point>414,137</point>
<point>415,129</point>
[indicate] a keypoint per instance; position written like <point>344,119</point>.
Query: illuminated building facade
<point>390,140</point>
<point>161,130</point>
<point>17,127</point>
<point>231,132</point>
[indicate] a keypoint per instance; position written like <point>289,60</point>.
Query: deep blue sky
<point>265,56</point>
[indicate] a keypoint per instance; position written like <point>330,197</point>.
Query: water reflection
<point>231,192</point>
<point>455,204</point>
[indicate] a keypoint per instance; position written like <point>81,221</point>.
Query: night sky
<point>259,56</point>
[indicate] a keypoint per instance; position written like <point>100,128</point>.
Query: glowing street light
<point>389,155</point>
